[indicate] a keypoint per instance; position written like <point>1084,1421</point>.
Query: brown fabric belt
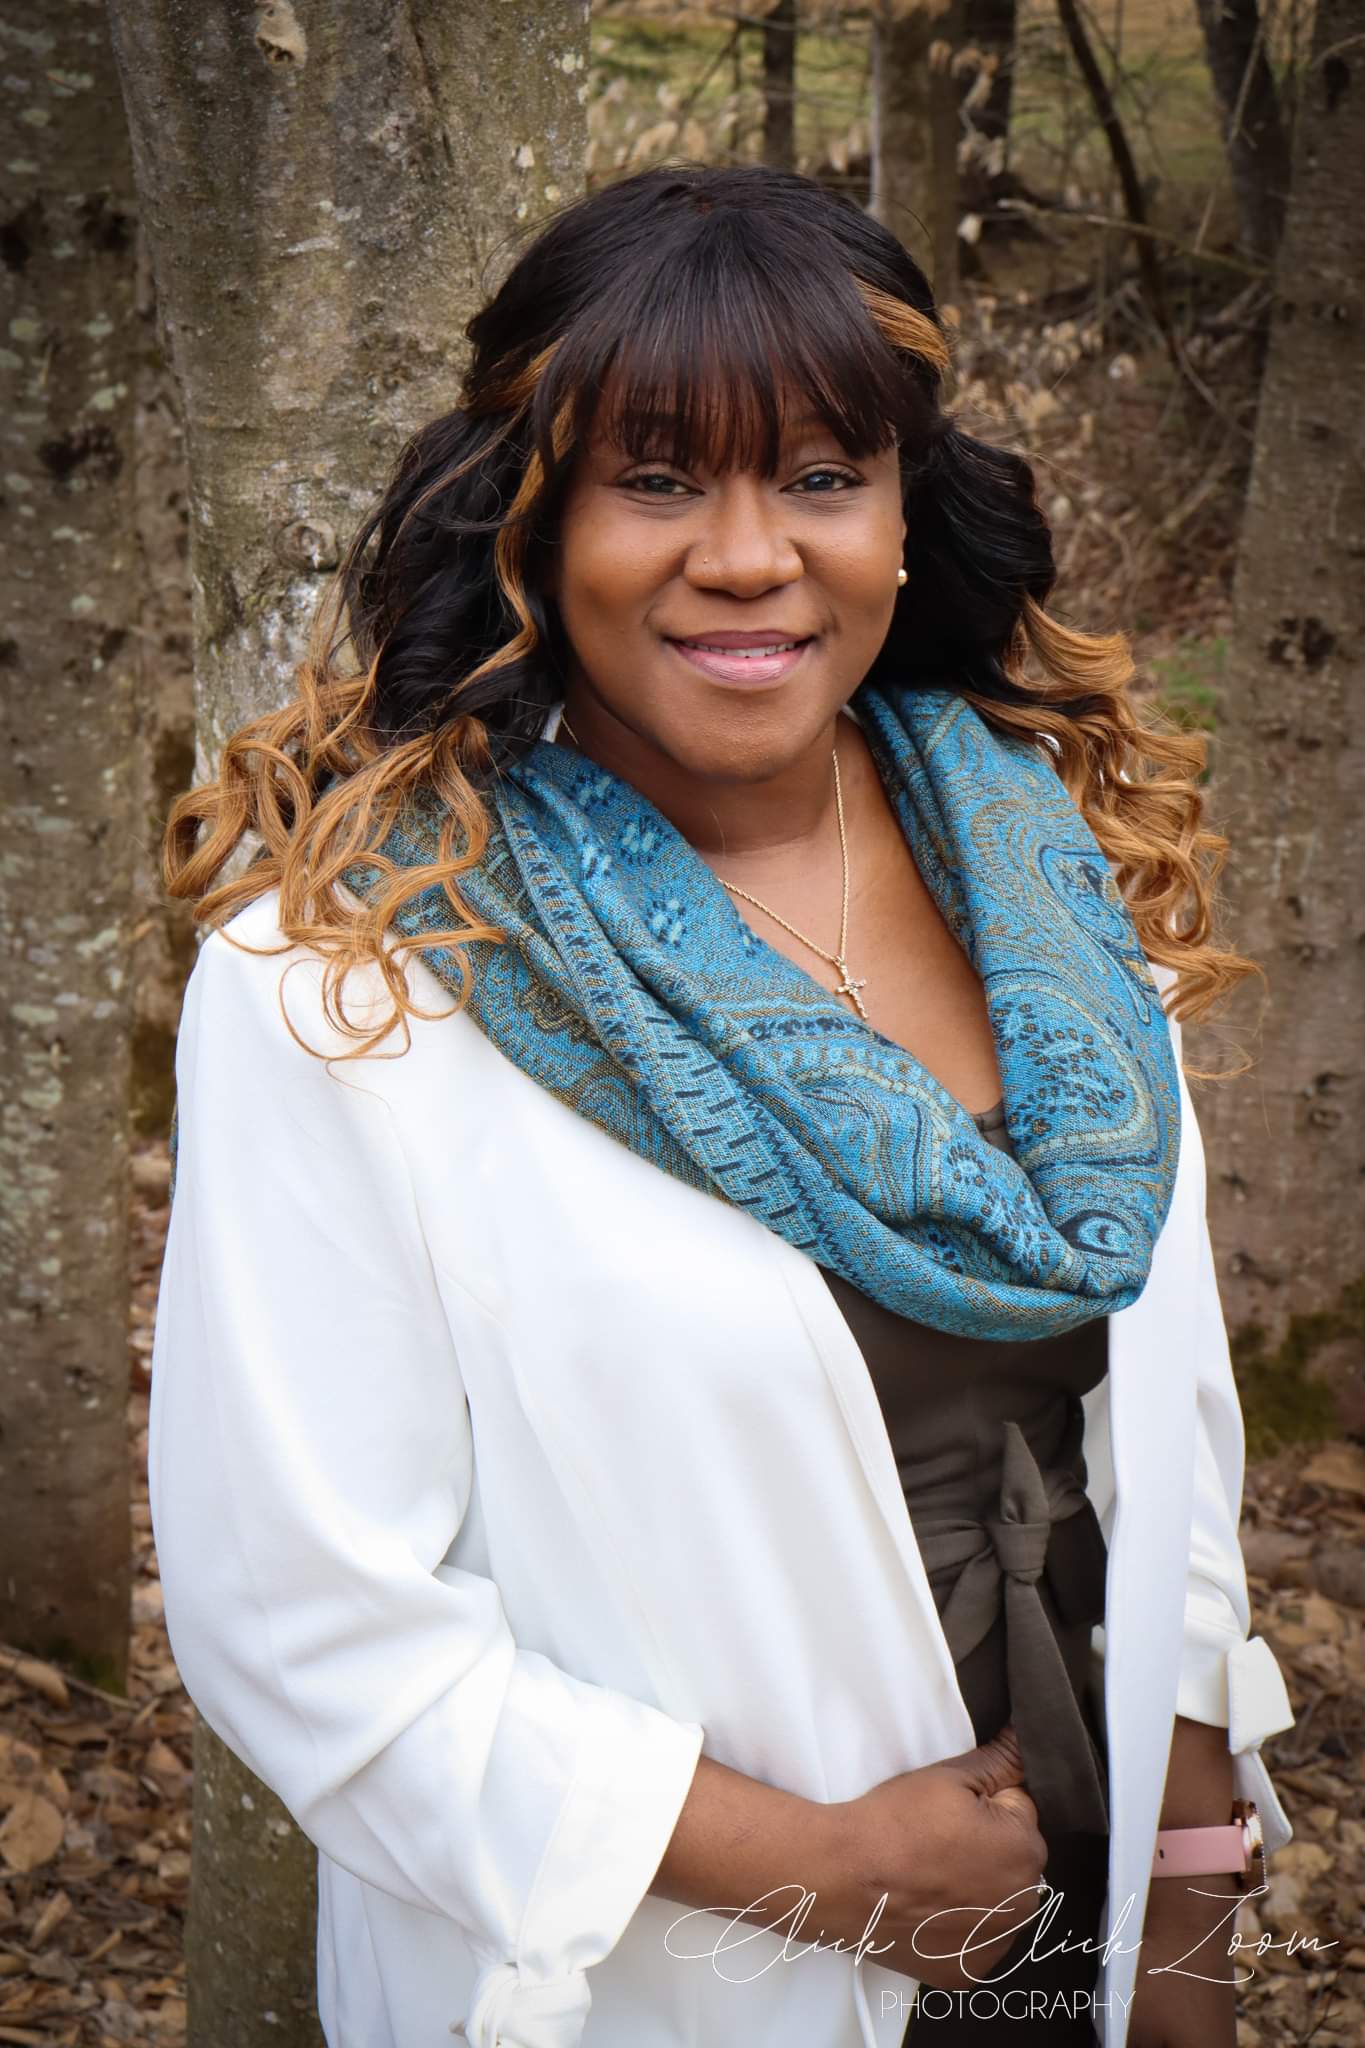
<point>1061,1762</point>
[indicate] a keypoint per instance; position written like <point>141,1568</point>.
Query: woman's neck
<point>738,822</point>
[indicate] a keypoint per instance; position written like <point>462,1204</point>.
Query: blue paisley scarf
<point>633,990</point>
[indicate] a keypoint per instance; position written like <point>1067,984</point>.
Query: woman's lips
<point>734,665</point>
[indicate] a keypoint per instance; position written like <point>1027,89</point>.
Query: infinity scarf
<point>631,988</point>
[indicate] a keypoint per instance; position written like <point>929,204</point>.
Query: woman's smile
<point>748,661</point>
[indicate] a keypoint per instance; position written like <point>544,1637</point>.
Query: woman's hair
<point>681,308</point>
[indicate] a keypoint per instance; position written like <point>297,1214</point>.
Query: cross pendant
<point>849,987</point>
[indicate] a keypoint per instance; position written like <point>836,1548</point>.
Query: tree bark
<point>945,136</point>
<point>325,187</point>
<point>779,86</point>
<point>1285,1144</point>
<point>328,188</point>
<point>1258,149</point>
<point>916,127</point>
<point>989,26</point>
<point>902,127</point>
<point>67,245</point>
<point>163,930</point>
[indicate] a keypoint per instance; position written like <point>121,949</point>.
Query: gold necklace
<point>847,985</point>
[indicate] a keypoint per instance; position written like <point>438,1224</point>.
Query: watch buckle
<point>1253,1878</point>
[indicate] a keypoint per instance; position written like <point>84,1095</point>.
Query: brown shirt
<point>987,1439</point>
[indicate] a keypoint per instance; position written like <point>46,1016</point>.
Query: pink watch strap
<point>1199,1852</point>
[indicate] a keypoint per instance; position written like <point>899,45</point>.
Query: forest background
<point>238,245</point>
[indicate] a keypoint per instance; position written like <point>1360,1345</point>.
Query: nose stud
<point>902,577</point>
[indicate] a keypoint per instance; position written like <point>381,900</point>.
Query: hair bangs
<point>719,353</point>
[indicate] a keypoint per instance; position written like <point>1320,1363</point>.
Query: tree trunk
<point>945,135</point>
<point>251,1932</point>
<point>988,26</point>
<point>163,930</point>
<point>1285,1143</point>
<point>916,127</point>
<point>987,35</point>
<point>986,182</point>
<point>1258,149</point>
<point>324,187</point>
<point>779,86</point>
<point>68,828</point>
<point>327,186</point>
<point>902,128</point>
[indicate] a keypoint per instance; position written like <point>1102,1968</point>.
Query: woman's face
<point>664,574</point>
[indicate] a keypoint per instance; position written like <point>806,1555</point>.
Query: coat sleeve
<point>1228,1677</point>
<point>311,1460</point>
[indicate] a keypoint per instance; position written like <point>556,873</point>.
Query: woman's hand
<point>1179,2007</point>
<point>954,1849</point>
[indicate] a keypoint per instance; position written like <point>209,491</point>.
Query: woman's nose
<point>742,545</point>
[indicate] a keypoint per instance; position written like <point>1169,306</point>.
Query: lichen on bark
<point>66,838</point>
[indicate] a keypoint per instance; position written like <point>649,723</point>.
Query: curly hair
<point>689,302</point>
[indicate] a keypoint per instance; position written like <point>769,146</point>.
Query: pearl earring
<point>902,578</point>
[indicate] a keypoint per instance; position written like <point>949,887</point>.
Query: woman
<point>745,1600</point>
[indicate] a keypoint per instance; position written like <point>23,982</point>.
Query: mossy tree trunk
<point>1285,1143</point>
<point>67,822</point>
<point>328,188</point>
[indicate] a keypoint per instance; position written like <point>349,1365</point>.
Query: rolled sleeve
<point>1227,1678</point>
<point>1202,1694</point>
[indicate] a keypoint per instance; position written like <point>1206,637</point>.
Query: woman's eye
<point>655,476</point>
<point>842,479</point>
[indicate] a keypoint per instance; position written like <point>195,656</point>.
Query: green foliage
<point>1190,683</point>
<point>1281,1401</point>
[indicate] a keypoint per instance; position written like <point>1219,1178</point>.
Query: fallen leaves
<point>36,1675</point>
<point>1303,1539</point>
<point>31,1832</point>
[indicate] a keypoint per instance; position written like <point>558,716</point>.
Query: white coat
<point>495,1474</point>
